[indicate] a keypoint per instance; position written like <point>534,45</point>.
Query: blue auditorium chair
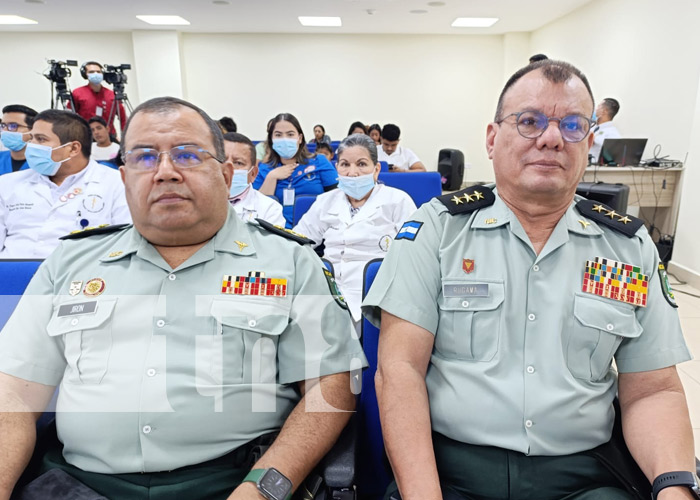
<point>420,186</point>
<point>302,203</point>
<point>384,166</point>
<point>16,274</point>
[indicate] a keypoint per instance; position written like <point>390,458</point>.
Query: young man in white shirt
<point>103,149</point>
<point>605,112</point>
<point>400,159</point>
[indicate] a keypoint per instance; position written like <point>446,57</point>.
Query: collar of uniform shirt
<point>239,197</point>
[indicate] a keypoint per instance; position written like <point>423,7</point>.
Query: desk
<point>655,191</point>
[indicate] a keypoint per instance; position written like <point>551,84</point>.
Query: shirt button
<point>535,268</point>
<point>465,303</point>
<point>531,369</point>
<point>146,429</point>
<point>74,321</point>
<point>528,423</point>
<point>531,317</point>
<point>610,327</point>
<point>172,277</point>
<point>252,323</point>
<point>151,372</point>
<point>160,323</point>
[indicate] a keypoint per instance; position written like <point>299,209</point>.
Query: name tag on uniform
<point>288,197</point>
<point>466,290</point>
<point>77,309</point>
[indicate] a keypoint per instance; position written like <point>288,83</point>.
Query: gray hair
<point>361,140</point>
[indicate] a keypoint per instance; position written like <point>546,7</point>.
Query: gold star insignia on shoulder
<point>490,221</point>
<point>624,219</point>
<point>457,200</point>
<point>479,195</point>
<point>467,198</point>
<point>584,223</point>
<point>599,208</point>
<point>115,254</point>
<point>612,214</point>
<point>241,245</point>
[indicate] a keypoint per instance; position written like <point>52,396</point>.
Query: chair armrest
<point>338,466</point>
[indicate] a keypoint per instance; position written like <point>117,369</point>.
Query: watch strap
<point>675,478</point>
<point>254,475</point>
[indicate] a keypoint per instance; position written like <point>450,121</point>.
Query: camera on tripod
<point>59,70</point>
<point>114,75</point>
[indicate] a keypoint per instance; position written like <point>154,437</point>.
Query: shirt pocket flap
<point>269,316</point>
<point>467,300</point>
<point>618,319</point>
<point>60,325</point>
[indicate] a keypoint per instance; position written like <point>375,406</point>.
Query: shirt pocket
<point>599,328</point>
<point>87,340</point>
<point>244,344</point>
<point>469,327</point>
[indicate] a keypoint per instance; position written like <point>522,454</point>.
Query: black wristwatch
<point>676,478</point>
<point>271,483</point>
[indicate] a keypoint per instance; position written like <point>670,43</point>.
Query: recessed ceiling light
<point>320,21</point>
<point>436,4</point>
<point>474,22</point>
<point>221,2</point>
<point>164,20</point>
<point>16,20</point>
<point>34,1</point>
<point>418,11</point>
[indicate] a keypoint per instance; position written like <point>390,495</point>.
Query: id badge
<point>288,197</point>
<point>98,111</point>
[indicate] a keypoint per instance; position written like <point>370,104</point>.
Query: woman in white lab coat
<point>358,221</point>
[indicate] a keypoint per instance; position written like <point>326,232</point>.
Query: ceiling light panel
<point>320,21</point>
<point>16,20</point>
<point>164,20</point>
<point>474,22</point>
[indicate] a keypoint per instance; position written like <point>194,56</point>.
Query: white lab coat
<point>35,212</point>
<point>256,205</point>
<point>351,242</point>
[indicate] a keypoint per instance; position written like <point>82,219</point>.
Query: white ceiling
<point>280,16</point>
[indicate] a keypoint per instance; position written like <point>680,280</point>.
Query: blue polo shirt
<point>6,163</point>
<point>308,178</point>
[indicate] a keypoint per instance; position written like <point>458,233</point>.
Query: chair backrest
<point>420,186</point>
<point>302,204</point>
<point>16,274</point>
<point>384,166</point>
<point>373,476</point>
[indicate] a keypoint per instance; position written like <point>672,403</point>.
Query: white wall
<point>441,90</point>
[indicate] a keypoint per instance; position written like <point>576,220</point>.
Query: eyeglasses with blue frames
<point>12,127</point>
<point>532,124</point>
<point>187,156</point>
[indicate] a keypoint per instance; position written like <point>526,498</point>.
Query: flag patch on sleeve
<point>409,230</point>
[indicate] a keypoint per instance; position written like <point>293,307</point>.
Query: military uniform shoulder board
<point>468,200</point>
<point>603,214</point>
<point>287,233</point>
<point>92,231</point>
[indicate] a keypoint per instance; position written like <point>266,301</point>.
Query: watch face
<point>274,484</point>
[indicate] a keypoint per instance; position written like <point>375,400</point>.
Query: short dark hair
<point>538,57</point>
<point>611,105</point>
<point>391,132</point>
<point>303,153</point>
<point>324,145</point>
<point>227,124</point>
<point>69,127</point>
<point>355,125</point>
<point>553,70</point>
<point>98,119</point>
<point>29,113</point>
<point>241,139</point>
<point>164,105</point>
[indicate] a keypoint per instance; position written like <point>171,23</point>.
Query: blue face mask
<point>594,117</point>
<point>239,182</point>
<point>39,158</point>
<point>13,140</point>
<point>95,78</point>
<point>286,148</point>
<point>356,187</point>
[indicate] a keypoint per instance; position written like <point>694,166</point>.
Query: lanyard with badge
<point>288,193</point>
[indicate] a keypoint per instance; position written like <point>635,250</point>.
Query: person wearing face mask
<point>61,192</point>
<point>248,203</point>
<point>290,169</point>
<point>358,221</point>
<point>17,121</point>
<point>94,99</point>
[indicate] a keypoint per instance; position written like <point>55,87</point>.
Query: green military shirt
<point>161,368</point>
<point>522,357</point>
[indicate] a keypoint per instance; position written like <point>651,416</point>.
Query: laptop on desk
<point>622,152</point>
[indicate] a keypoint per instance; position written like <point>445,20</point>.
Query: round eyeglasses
<point>532,124</point>
<point>181,156</point>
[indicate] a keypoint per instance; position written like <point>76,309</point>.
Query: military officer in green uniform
<point>180,340</point>
<point>502,308</point>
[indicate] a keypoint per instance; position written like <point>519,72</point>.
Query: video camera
<point>114,75</point>
<point>59,70</point>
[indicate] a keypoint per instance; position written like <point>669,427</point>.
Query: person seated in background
<point>357,128</point>
<point>290,169</point>
<point>320,136</point>
<point>358,221</point>
<point>103,149</point>
<point>326,150</point>
<point>17,121</point>
<point>604,114</point>
<point>62,191</point>
<point>375,132</point>
<point>226,124</point>
<point>248,203</point>
<point>397,157</point>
